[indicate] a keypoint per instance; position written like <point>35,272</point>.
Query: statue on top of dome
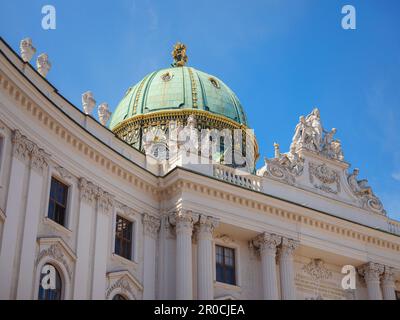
<point>179,55</point>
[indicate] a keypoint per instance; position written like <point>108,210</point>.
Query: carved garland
<point>317,270</point>
<point>326,176</point>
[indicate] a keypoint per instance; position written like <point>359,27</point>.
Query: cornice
<point>78,144</point>
<point>181,184</point>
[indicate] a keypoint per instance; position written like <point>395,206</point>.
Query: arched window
<point>119,297</point>
<point>45,293</point>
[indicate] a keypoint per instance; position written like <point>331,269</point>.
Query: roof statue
<point>179,55</point>
<point>315,162</point>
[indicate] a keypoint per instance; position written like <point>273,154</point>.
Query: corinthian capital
<point>388,279</point>
<point>39,158</point>
<point>371,271</point>
<point>206,227</point>
<point>21,146</point>
<point>183,221</point>
<point>288,246</point>
<point>87,190</point>
<point>267,243</point>
<point>105,200</point>
<point>151,225</point>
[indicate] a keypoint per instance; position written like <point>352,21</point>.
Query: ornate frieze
<point>324,178</point>
<point>56,252</point>
<point>317,270</point>
<point>28,152</point>
<point>151,225</point>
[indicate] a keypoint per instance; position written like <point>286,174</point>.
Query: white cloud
<point>396,176</point>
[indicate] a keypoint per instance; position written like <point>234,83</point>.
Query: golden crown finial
<point>179,55</point>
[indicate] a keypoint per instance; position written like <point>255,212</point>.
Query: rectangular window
<point>225,265</point>
<point>58,201</point>
<point>123,237</point>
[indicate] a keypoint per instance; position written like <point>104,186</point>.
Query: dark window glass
<point>119,297</point>
<point>58,201</point>
<point>123,237</point>
<point>50,294</point>
<point>225,265</point>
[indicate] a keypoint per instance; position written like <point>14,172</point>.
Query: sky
<point>281,57</point>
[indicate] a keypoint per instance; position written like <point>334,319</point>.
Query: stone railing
<point>394,226</point>
<point>237,177</point>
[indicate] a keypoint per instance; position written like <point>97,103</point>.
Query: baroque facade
<point>83,198</point>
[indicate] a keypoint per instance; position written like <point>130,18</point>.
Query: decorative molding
<point>285,168</point>
<point>329,179</point>
<point>64,173</point>
<point>317,270</point>
<point>225,238</point>
<point>151,225</point>
<point>56,252</point>
<point>122,282</point>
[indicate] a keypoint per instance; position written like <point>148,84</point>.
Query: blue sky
<point>281,57</point>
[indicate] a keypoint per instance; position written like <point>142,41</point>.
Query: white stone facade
<point>292,229</point>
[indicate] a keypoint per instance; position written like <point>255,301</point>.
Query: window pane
<point>220,273</point>
<point>123,237</point>
<point>57,201</point>
<point>225,265</point>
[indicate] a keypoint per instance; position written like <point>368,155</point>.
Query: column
<point>286,269</point>
<point>388,284</point>
<point>13,213</point>
<point>183,221</point>
<point>38,165</point>
<point>102,243</point>
<point>205,283</point>
<point>87,196</point>
<point>371,272</point>
<point>151,226</point>
<point>267,244</point>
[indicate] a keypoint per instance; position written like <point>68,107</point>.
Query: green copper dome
<point>179,88</point>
